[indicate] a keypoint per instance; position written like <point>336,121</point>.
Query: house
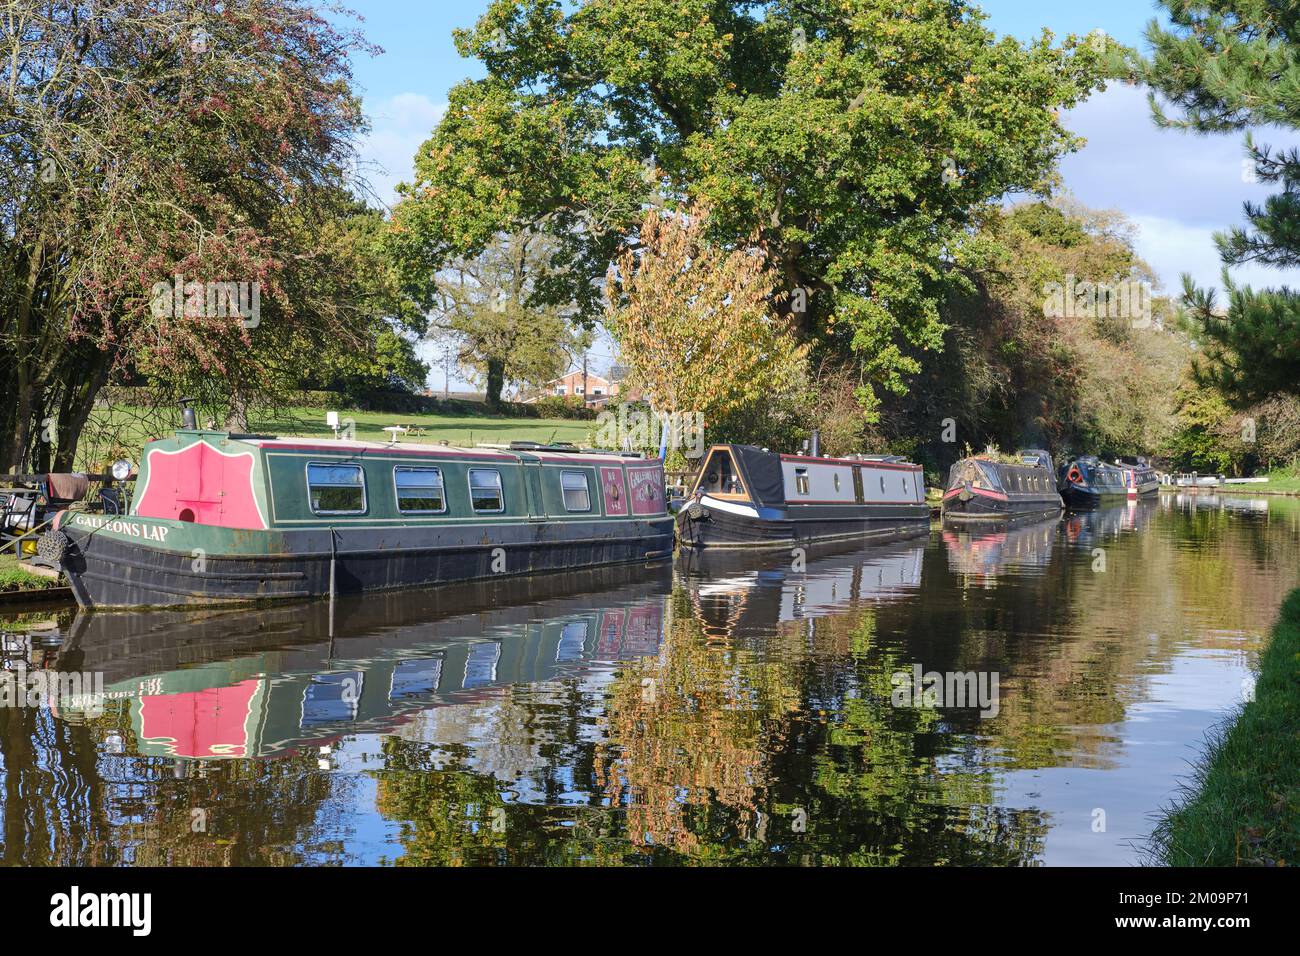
<point>595,389</point>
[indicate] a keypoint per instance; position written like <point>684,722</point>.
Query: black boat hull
<point>985,509</point>
<point>1081,496</point>
<point>108,572</point>
<point>716,528</point>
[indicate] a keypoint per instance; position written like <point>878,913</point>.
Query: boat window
<point>419,490</point>
<point>882,484</point>
<point>978,474</point>
<point>336,489</point>
<point>577,495</point>
<point>485,490</point>
<point>837,481</point>
<point>801,481</point>
<point>719,475</point>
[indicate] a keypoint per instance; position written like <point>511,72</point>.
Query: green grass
<point>455,429</point>
<point>1242,805</point>
<point>124,430</point>
<point>15,578</point>
<point>1282,479</point>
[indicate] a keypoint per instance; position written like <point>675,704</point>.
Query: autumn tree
<point>851,141</point>
<point>1020,369</point>
<point>145,140</point>
<point>697,326</point>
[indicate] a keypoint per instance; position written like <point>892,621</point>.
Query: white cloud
<point>398,126</point>
<point>1173,248</point>
<point>1180,188</point>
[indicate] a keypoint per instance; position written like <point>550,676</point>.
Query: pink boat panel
<point>202,485</point>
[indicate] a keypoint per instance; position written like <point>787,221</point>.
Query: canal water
<point>734,710</point>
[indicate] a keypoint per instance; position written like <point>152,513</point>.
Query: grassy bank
<point>1242,805</point>
<point>455,429</point>
<point>125,429</point>
<point>1283,480</point>
<point>13,577</point>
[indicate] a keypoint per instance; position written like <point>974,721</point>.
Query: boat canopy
<point>761,471</point>
<point>756,470</point>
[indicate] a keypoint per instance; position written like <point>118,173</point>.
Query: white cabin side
<point>817,482</point>
<point>893,485</point>
<point>831,481</point>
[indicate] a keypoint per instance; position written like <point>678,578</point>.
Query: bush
<point>563,406</point>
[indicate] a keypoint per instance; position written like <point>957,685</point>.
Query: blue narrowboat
<point>1087,481</point>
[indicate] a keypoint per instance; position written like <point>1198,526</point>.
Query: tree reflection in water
<point>735,710</point>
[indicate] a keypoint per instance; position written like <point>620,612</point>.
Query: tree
<point>1064,345</point>
<point>144,140</point>
<point>696,327</point>
<point>488,307</point>
<point>853,141</point>
<point>1232,65</point>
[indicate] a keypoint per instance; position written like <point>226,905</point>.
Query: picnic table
<point>410,428</point>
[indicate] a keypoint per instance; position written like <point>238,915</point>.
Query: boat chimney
<point>188,421</point>
<point>816,444</point>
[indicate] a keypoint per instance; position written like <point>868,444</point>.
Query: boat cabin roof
<point>334,446</point>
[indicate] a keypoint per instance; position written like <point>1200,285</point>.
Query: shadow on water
<point>737,708</point>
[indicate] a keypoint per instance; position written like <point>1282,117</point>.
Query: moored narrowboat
<point>748,497</point>
<point>220,518</point>
<point>984,488</point>
<point>1087,482</point>
<point>1140,479</point>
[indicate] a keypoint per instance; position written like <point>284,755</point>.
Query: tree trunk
<point>496,381</point>
<point>237,416</point>
<point>27,388</point>
<point>75,411</point>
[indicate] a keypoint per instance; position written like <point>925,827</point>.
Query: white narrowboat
<point>748,497</point>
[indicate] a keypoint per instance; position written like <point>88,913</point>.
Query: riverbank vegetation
<point>14,577</point>
<point>1242,804</point>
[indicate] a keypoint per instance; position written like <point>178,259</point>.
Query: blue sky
<point>1178,188</point>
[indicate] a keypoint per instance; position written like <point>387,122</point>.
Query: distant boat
<point>220,518</point>
<point>748,497</point>
<point>1087,482</point>
<point>1140,479</point>
<point>981,488</point>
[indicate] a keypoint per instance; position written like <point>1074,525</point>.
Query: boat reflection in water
<point>736,592</point>
<point>988,552</point>
<point>261,682</point>
<point>1217,502</point>
<point>1092,527</point>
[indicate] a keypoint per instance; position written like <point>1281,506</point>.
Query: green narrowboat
<point>219,518</point>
